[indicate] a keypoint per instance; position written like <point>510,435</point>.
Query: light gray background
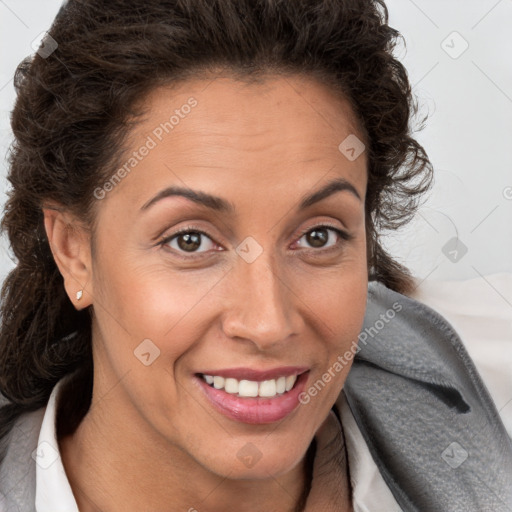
<point>468,96</point>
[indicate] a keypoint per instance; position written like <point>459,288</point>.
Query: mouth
<point>251,396</point>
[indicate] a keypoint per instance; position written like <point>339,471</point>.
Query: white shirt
<point>480,310</point>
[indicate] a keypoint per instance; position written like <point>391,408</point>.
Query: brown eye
<point>322,237</point>
<point>318,237</point>
<point>190,241</point>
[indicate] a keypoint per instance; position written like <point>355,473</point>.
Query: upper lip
<point>257,375</point>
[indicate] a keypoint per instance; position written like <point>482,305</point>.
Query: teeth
<point>251,388</point>
<point>231,386</point>
<point>218,382</point>
<point>268,388</point>
<point>248,388</point>
<point>290,381</point>
<point>281,385</point>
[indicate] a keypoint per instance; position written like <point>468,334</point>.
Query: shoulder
<point>423,409</point>
<point>18,467</point>
<point>480,309</point>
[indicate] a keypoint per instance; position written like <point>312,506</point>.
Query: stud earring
<point>79,294</point>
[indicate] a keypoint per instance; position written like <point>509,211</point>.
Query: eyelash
<point>344,235</point>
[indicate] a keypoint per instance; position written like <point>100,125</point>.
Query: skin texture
<point>151,440</point>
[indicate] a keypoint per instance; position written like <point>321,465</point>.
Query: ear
<point>71,248</point>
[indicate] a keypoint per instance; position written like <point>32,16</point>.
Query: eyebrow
<point>335,185</point>
<point>221,205</point>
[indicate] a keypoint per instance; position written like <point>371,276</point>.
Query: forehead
<point>252,107</point>
<point>210,132</point>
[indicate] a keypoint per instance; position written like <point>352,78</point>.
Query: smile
<point>252,388</point>
<point>261,397</point>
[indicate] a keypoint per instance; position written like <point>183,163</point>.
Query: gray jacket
<point>429,422</point>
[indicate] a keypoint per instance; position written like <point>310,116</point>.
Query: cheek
<point>151,302</point>
<point>338,303</point>
<point>338,299</point>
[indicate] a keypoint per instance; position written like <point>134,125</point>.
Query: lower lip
<point>255,410</point>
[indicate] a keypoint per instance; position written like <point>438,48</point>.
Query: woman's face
<point>266,282</point>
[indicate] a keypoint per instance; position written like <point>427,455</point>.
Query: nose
<point>262,306</point>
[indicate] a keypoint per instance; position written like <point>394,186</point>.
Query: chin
<point>257,460</point>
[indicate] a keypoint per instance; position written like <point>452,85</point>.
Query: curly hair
<point>75,108</point>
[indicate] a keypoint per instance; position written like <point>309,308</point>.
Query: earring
<point>79,294</point>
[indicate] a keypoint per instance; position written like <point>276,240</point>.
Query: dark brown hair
<point>75,108</point>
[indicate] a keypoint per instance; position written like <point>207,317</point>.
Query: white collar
<point>53,492</point>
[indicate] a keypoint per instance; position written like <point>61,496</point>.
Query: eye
<point>190,241</point>
<point>322,237</point>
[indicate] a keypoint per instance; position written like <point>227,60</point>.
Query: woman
<point>198,189</point>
